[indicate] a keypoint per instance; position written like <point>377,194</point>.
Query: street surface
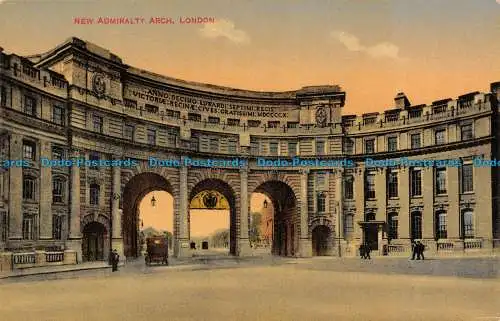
<point>271,289</point>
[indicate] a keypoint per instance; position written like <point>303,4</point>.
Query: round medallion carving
<point>99,84</point>
<point>321,117</point>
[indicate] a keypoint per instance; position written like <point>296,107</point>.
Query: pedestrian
<point>116,259</point>
<point>367,251</point>
<point>421,248</point>
<point>413,249</point>
<point>362,251</point>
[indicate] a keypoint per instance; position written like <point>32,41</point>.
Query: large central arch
<point>215,184</point>
<point>286,220</point>
<point>135,190</point>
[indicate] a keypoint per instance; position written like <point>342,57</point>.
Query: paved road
<point>316,289</point>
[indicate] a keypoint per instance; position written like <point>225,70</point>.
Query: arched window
<point>467,224</point>
<point>441,225</point>
<point>416,225</point>
<point>94,194</point>
<point>392,222</point>
<point>348,225</point>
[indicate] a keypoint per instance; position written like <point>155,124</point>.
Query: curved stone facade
<point>81,101</point>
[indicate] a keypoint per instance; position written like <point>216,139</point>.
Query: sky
<point>429,49</point>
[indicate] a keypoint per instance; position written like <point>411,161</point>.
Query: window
<point>233,122</point>
<point>128,132</point>
<point>231,146</point>
<point>130,103</point>
<point>214,144</point>
<point>254,147</point>
<point>58,115</point>
<point>57,190</point>
<point>348,225</point>
<point>392,184</point>
<point>94,194</point>
<point>370,185</point>
<point>57,153</point>
<point>151,109</point>
<point>321,202</point>
<point>466,179</point>
<point>273,124</point>
<point>172,139</point>
<point>466,132</point>
<point>253,123</point>
<point>94,160</point>
<point>415,141</point>
<point>291,124</point>
<point>97,122</point>
<point>30,105</point>
<point>467,224</point>
<point>3,96</point>
<point>320,180</point>
<point>416,225</point>
<point>273,148</point>
<point>392,222</point>
<point>441,225</point>
<point>292,149</point>
<point>29,188</point>
<point>440,180</point>
<point>29,150</point>
<point>370,216</point>
<point>370,146</point>
<point>439,136</point>
<point>392,144</point>
<point>173,113</point>
<point>28,227</point>
<point>3,227</point>
<point>194,117</point>
<point>213,120</point>
<point>151,137</point>
<point>416,182</point>
<point>348,145</point>
<point>349,187</point>
<point>320,147</point>
<point>57,223</point>
<point>194,143</point>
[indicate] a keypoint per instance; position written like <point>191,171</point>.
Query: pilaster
<point>404,203</point>
<point>428,194</point>
<point>305,244</point>
<point>182,242</point>
<point>381,194</point>
<point>359,192</point>
<point>15,188</point>
<point>75,235</point>
<point>243,241</point>
<point>45,193</point>
<point>453,214</point>
<point>116,213</point>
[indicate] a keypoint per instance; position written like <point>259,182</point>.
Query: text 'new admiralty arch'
<point>78,100</point>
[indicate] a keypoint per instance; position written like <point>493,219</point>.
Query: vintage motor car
<point>157,250</point>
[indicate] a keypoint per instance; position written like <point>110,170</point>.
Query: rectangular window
<point>213,120</point>
<point>57,225</point>
<point>129,103</point>
<point>57,191</point>
<point>97,122</point>
<point>253,123</point>
<point>152,109</point>
<point>3,96</point>
<point>29,188</point>
<point>370,185</point>
<point>173,113</point>
<point>320,180</point>
<point>441,225</point>
<point>467,182</point>
<point>415,141</point>
<point>194,117</point>
<point>349,187</point>
<point>128,132</point>
<point>416,182</point>
<point>30,105</point>
<point>254,147</point>
<point>466,132</point>
<point>370,146</point>
<point>440,136</point>
<point>172,139</point>
<point>28,227</point>
<point>151,137</point>
<point>393,227</point>
<point>273,148</point>
<point>94,194</point>
<point>231,146</point>
<point>58,115</point>
<point>321,202</point>
<point>320,147</point>
<point>348,225</point>
<point>292,149</point>
<point>348,145</point>
<point>214,144</point>
<point>440,180</point>
<point>292,124</point>
<point>194,143</point>
<point>273,124</point>
<point>233,122</point>
<point>392,184</point>
<point>392,144</point>
<point>29,150</point>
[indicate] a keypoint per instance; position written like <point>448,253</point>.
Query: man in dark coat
<point>420,250</point>
<point>413,250</point>
<point>116,259</point>
<point>367,251</point>
<point>362,251</point>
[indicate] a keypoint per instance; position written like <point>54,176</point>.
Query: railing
<point>54,257</point>
<point>473,244</point>
<point>396,248</point>
<point>445,246</point>
<point>24,258</point>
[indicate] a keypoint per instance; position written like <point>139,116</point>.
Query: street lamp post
<point>114,197</point>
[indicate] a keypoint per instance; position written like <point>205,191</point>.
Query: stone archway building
<point>80,103</point>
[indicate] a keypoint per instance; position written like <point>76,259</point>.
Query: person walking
<point>362,251</point>
<point>413,249</point>
<point>367,251</point>
<point>116,259</point>
<point>421,249</point>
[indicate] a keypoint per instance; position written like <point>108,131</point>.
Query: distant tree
<point>220,238</point>
<point>255,223</point>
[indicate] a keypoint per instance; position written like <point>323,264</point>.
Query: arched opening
<point>94,247</point>
<point>212,218</point>
<point>134,194</point>
<point>321,240</point>
<point>279,223</point>
<point>156,218</point>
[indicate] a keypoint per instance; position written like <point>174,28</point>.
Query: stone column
<point>339,210</point>
<point>243,239</point>
<point>305,244</point>
<point>75,234</point>
<point>404,201</point>
<point>45,194</point>
<point>181,248</point>
<point>116,213</point>
<point>15,189</point>
<point>359,192</point>
<point>381,195</point>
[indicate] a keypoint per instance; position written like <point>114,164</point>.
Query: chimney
<point>495,89</point>
<point>401,101</point>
